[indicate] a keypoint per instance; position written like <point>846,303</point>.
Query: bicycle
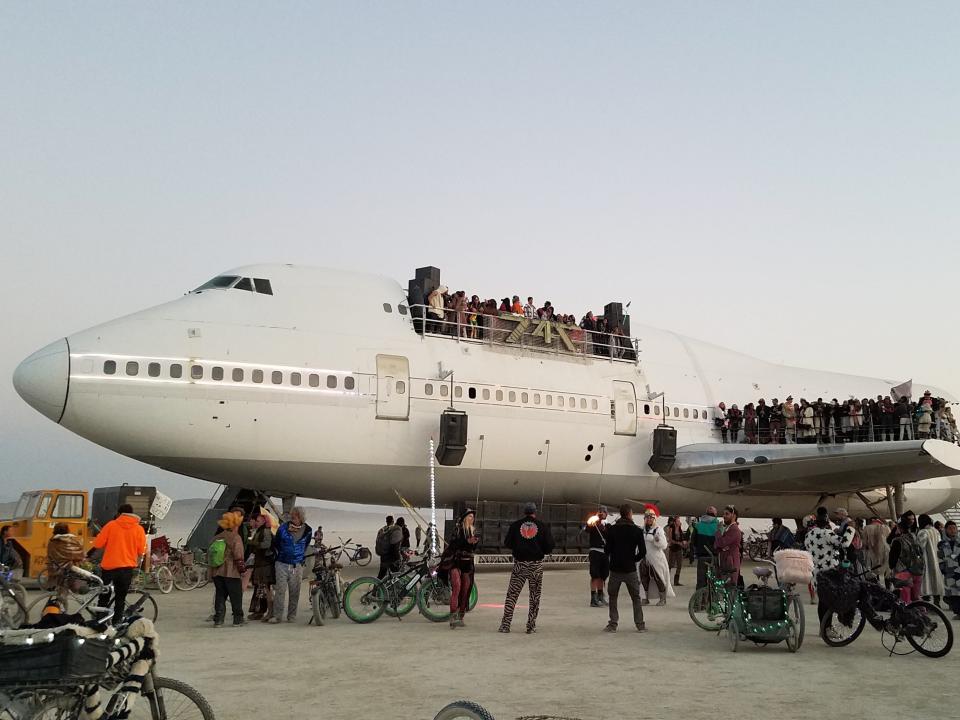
<point>356,553</point>
<point>78,590</point>
<point>923,625</point>
<point>33,688</point>
<point>709,606</point>
<point>763,617</point>
<point>325,588</point>
<point>159,575</point>
<point>184,572</point>
<point>757,546</point>
<point>13,596</point>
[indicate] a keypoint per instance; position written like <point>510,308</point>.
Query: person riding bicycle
<point>124,545</point>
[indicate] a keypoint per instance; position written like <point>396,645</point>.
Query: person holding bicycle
<point>459,554</point>
<point>124,545</point>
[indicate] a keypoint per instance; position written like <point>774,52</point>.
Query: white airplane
<point>314,382</point>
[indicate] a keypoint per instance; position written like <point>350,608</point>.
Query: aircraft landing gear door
<point>393,387</point>
<point>624,408</point>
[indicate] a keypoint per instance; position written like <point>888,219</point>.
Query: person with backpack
<point>530,541</point>
<point>906,557</point>
<point>387,547</point>
<point>290,548</point>
<point>226,568</point>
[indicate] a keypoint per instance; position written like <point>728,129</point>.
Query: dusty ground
<point>570,668</point>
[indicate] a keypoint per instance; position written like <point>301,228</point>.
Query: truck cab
<point>34,518</point>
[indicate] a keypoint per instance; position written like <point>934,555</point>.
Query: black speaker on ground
<point>416,298</point>
<point>664,449</point>
<point>430,276</point>
<point>453,437</point>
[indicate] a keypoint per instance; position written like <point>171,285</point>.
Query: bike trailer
<point>794,566</point>
<point>36,656</point>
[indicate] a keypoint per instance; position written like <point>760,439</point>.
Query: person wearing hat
<point>625,548</point>
<point>790,420</point>
<point>727,544</point>
<point>702,536</point>
<point>458,553</point>
<point>226,577</point>
<point>599,562</point>
<point>529,540</point>
<point>654,566</point>
<point>263,576</point>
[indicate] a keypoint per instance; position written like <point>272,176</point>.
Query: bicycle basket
<point>186,558</point>
<point>63,657</point>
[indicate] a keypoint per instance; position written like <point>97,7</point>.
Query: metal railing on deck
<point>509,330</point>
<point>818,434</point>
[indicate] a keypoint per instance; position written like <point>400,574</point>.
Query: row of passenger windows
<point>277,377</point>
<point>698,413</point>
<point>547,399</point>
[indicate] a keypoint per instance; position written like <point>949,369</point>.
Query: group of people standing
<point>836,422</point>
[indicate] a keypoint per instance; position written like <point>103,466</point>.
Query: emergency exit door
<point>393,387</point>
<point>624,408</point>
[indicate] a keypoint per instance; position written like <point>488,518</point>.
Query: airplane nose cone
<point>42,380</point>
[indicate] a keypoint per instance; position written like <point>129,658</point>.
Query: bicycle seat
<point>901,583</point>
<point>763,572</point>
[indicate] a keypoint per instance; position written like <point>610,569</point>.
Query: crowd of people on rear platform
<point>863,420</point>
<point>454,313</point>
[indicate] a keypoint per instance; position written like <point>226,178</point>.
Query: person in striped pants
<point>529,541</point>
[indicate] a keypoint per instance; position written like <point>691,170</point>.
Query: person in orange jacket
<point>124,543</point>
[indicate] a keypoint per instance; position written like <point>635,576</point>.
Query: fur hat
<point>229,521</point>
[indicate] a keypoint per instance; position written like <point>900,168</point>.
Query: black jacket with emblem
<point>529,539</point>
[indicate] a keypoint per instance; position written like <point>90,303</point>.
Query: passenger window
<point>686,412</point>
<point>68,506</point>
<point>133,368</point>
<point>153,369</point>
<point>536,398</point>
<point>387,308</point>
<point>295,379</point>
<point>402,309</point>
<point>458,391</point>
<point>263,286</point>
<point>549,400</point>
<point>349,383</point>
<point>676,412</point>
<point>217,373</point>
<point>257,376</point>
<point>238,375</point>
<point>332,381</point>
<point>646,409</point>
<point>428,389</point>
<point>110,367</point>
<point>656,409</point>
<point>472,393</point>
<point>314,380</point>
<point>244,284</point>
<point>512,396</point>
<point>560,401</point>
<point>196,372</point>
<point>276,377</point>
<point>444,391</point>
<point>486,394</point>
<point>401,387</point>
<point>176,370</point>
<point>695,414</point>
<point>593,404</point>
<point>499,395</point>
<point>524,398</point>
<point>573,402</point>
<point>583,403</point>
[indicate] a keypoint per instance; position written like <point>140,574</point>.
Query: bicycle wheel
<point>708,609</point>
<point>318,602</point>
<point>474,597</point>
<point>12,613</point>
<point>149,609</point>
<point>404,604</point>
<point>333,601</point>
<point>836,634</point>
<point>186,578</point>
<point>434,600</point>
<point>733,635</point>
<point>203,575</point>
<point>172,700</point>
<point>164,579</point>
<point>796,614</point>
<point>936,639</point>
<point>364,599</point>
<point>463,710</point>
<point>363,556</point>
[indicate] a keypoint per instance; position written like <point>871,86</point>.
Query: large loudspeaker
<point>417,299</point>
<point>453,437</point>
<point>664,449</point>
<point>430,277</point>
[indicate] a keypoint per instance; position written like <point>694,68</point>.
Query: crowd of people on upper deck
<point>863,420</point>
<point>455,313</point>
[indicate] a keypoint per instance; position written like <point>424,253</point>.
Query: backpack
<point>911,555</point>
<point>217,553</point>
<point>382,546</point>
<point>857,543</point>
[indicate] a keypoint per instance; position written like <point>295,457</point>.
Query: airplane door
<point>624,408</point>
<point>393,387</point>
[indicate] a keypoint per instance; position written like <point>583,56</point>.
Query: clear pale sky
<point>779,178</point>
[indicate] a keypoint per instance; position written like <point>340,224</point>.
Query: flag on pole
<point>902,390</point>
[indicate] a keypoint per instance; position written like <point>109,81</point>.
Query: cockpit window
<point>244,284</point>
<point>263,286</point>
<point>221,281</point>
